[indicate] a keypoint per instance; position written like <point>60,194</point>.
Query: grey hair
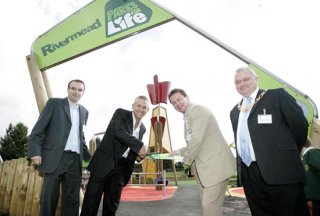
<point>142,97</point>
<point>246,69</point>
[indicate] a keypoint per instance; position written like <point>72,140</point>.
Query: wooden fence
<point>20,188</point>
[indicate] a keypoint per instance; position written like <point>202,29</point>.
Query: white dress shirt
<point>135,133</point>
<point>73,142</point>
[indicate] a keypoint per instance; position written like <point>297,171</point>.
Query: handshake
<point>143,153</point>
<point>176,152</point>
<point>173,155</point>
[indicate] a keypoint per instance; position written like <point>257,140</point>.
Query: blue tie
<point>244,134</point>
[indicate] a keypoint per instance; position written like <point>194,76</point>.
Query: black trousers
<point>315,207</point>
<point>110,186</point>
<point>272,200</point>
<point>68,175</point>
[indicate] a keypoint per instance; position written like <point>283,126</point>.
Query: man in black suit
<point>269,165</point>
<point>57,146</point>
<point>113,161</point>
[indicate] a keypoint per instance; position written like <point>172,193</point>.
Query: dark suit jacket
<point>276,146</point>
<point>117,138</point>
<point>50,134</point>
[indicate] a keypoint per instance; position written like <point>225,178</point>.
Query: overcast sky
<point>281,36</point>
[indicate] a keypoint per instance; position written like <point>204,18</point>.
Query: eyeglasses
<point>244,80</point>
<point>76,89</point>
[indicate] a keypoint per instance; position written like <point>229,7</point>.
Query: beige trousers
<point>212,198</point>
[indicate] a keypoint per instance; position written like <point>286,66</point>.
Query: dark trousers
<point>315,207</point>
<point>110,186</point>
<point>272,200</point>
<point>68,175</point>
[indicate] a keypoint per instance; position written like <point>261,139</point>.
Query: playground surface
<point>182,200</point>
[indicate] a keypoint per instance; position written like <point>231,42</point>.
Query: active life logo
<point>122,15</point>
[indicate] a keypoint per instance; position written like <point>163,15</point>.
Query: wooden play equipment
<point>159,140</point>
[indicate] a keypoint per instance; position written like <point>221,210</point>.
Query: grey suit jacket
<point>207,148</point>
<point>50,134</point>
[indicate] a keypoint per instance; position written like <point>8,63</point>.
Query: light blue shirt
<point>253,157</point>
<point>73,143</point>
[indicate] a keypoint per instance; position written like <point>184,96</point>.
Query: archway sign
<point>103,22</point>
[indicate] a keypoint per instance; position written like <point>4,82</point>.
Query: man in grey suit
<point>57,146</point>
<point>207,151</point>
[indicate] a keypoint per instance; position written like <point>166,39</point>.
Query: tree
<point>14,144</point>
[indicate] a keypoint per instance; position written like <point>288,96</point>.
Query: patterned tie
<point>244,134</point>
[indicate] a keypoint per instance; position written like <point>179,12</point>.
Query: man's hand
<point>36,160</point>
<point>143,152</point>
<point>176,152</point>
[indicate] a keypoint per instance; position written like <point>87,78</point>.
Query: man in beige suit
<point>207,152</point>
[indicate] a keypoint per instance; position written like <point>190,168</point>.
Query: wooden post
<point>39,88</point>
<point>3,183</point>
<point>9,187</point>
<point>159,141</point>
<point>33,173</point>
<point>16,197</point>
<point>35,205</point>
<point>23,187</point>
<point>47,83</point>
<point>158,134</point>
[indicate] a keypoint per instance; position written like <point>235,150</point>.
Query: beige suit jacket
<point>207,148</point>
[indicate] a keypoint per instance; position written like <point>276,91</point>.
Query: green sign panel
<point>267,81</point>
<point>99,23</point>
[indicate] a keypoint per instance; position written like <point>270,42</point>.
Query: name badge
<point>265,119</point>
<point>189,137</point>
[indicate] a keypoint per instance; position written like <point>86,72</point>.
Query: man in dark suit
<point>268,144</point>
<point>112,163</point>
<point>57,146</point>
